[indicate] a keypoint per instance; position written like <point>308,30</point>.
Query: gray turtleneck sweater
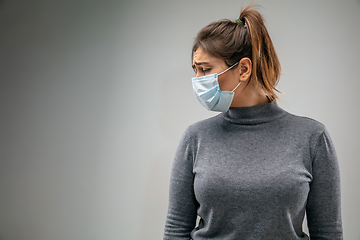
<point>252,173</point>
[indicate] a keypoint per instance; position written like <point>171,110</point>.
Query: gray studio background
<point>95,95</point>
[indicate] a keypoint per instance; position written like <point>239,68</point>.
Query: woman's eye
<point>206,70</point>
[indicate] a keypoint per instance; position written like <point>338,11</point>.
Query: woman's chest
<point>244,172</point>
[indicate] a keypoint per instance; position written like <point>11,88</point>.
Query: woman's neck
<point>248,95</point>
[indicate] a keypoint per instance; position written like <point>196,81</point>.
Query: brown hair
<point>232,41</point>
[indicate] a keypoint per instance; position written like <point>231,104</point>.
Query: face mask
<point>207,91</point>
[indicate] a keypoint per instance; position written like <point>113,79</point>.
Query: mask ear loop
<point>228,69</point>
<point>236,87</point>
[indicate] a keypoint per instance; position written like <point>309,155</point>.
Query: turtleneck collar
<point>255,114</point>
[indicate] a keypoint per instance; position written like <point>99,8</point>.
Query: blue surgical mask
<point>207,91</point>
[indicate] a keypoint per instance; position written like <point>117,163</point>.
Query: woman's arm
<point>181,217</point>
<point>323,207</point>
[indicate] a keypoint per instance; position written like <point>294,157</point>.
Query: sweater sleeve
<point>181,217</point>
<point>323,206</point>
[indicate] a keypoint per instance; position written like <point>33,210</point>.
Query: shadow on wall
<point>179,106</point>
<point>173,89</point>
<point>155,196</point>
<point>176,103</point>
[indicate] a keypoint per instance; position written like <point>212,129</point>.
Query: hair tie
<point>238,21</point>
<point>242,22</point>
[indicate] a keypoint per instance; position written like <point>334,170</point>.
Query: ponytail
<point>246,37</point>
<point>266,67</point>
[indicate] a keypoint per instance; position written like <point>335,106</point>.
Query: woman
<point>253,171</point>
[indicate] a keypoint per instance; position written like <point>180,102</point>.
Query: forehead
<point>202,56</point>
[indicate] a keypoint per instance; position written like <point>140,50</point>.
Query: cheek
<point>222,84</point>
<point>226,83</point>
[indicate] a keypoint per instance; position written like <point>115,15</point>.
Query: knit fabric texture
<point>253,173</point>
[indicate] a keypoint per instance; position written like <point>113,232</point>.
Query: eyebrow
<point>199,63</point>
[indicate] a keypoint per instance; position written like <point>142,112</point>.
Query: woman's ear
<point>245,69</point>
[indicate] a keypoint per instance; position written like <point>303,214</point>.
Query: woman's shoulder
<point>206,121</point>
<point>304,123</point>
<point>203,126</point>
